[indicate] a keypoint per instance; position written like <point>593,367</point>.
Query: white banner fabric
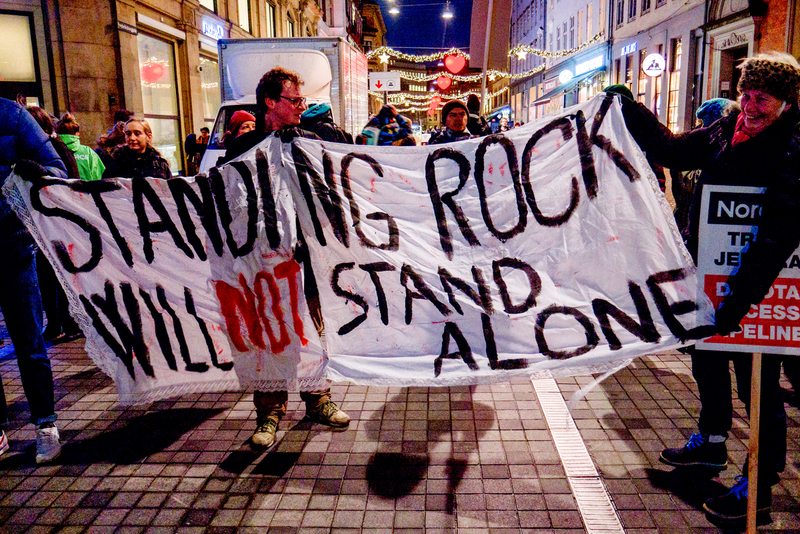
<point>549,248</point>
<point>545,250</point>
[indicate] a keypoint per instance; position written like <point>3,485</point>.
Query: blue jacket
<point>22,138</point>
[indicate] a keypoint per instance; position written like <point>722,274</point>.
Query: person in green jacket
<point>90,167</point>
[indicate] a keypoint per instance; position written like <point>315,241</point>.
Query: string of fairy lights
<point>520,52</point>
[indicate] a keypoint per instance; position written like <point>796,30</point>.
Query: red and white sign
<point>728,223</point>
<point>384,81</point>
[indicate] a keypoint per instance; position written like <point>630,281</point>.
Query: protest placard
<point>729,220</point>
<point>545,250</point>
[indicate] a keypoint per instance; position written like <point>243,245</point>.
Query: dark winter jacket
<point>388,130</point>
<point>477,125</point>
<point>449,136</point>
<point>125,163</point>
<point>770,159</point>
<point>319,120</point>
<point>21,138</point>
<point>243,143</point>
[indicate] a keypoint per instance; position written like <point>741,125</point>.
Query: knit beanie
<point>238,118</point>
<point>712,110</point>
<point>450,106</point>
<point>776,74</point>
<point>316,112</point>
<point>619,89</point>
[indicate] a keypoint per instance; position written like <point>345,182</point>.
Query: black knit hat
<point>775,74</point>
<point>449,107</point>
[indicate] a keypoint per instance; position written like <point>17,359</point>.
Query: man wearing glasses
<point>279,105</point>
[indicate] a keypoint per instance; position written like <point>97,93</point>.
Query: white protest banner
<point>185,285</point>
<point>547,249</point>
<point>729,219</point>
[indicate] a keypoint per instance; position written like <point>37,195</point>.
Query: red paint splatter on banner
<point>490,170</point>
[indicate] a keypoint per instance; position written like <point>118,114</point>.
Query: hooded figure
<point>318,118</point>
<point>476,125</point>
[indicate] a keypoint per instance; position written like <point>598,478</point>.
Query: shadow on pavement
<point>398,474</point>
<point>136,438</point>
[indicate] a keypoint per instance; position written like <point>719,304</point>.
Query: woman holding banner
<point>759,146</point>
<point>138,158</point>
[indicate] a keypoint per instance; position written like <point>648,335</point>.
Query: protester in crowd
<point>138,158</point>
<point>190,149</point>
<point>241,122</point>
<point>387,127</point>
<point>455,116</point>
<point>759,146</point>
<point>45,122</point>
<point>683,183</point>
<point>318,118</point>
<point>25,145</point>
<point>476,125</point>
<point>279,107</point>
<point>90,167</point>
<point>201,144</point>
<point>114,136</point>
<point>503,125</point>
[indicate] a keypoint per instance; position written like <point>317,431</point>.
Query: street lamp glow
<point>447,14</point>
<point>394,10</point>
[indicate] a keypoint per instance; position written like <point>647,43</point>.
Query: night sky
<point>421,29</point>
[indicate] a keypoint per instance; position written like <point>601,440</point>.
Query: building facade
<point>157,58</point>
<point>657,53</point>
<point>577,37</point>
<point>528,21</point>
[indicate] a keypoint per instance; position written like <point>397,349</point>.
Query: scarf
<point>739,133</point>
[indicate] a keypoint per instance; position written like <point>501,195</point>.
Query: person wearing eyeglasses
<point>279,105</point>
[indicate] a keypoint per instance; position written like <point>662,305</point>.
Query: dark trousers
<point>54,299</point>
<point>712,374</point>
<point>21,303</point>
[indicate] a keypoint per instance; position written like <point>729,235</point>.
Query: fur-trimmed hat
<point>449,107</point>
<point>774,73</point>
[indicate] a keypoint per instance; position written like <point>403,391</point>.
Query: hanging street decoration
<point>522,51</point>
<point>443,82</point>
<point>385,50</point>
<point>491,74</point>
<point>455,63</point>
<point>413,102</point>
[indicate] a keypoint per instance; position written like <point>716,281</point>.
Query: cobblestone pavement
<point>466,459</point>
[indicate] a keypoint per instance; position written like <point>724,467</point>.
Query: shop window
<point>617,72</point>
<point>209,86</point>
<point>674,85</point>
<point>645,6</point>
<point>160,96</point>
<point>270,28</point>
<point>209,4</point>
<point>629,71</point>
<point>657,81</point>
<point>244,14</point>
<point>641,84</point>
<point>18,64</point>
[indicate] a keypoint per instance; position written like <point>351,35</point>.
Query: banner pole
<point>755,423</point>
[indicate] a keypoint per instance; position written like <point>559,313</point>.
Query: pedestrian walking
<point>24,145</point>
<point>279,108</point>
<point>138,158</point>
<point>759,146</point>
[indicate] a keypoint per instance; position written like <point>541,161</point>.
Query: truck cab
<point>332,70</point>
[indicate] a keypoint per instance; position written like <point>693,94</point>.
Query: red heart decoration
<point>454,63</point>
<point>152,72</point>
<point>443,82</point>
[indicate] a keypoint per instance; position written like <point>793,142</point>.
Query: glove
<point>620,89</point>
<point>289,133</point>
<point>729,314</point>
<point>29,170</point>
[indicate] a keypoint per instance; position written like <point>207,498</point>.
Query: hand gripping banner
<point>546,250</point>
